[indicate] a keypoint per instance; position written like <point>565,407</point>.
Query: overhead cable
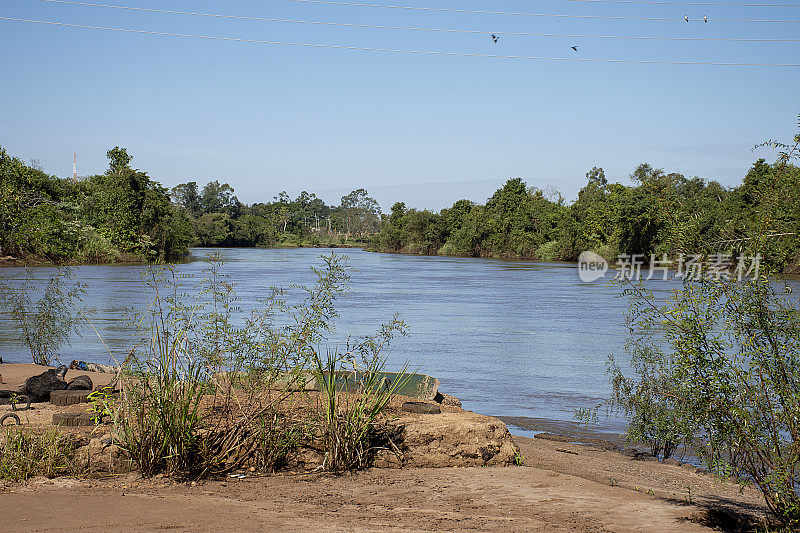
<point>405,51</point>
<point>412,28</point>
<point>661,3</point>
<point>526,14</point>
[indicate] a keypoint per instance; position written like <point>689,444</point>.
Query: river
<point>526,341</point>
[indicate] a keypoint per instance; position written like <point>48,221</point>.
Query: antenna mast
<point>75,166</point>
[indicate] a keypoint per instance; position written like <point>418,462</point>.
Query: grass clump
<point>25,454</point>
<point>210,390</point>
<point>349,423</point>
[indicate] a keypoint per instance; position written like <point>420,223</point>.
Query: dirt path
<point>563,487</point>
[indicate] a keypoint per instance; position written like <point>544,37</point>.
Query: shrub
<point>717,367</point>
<point>549,251</point>
<point>45,325</point>
<point>205,396</point>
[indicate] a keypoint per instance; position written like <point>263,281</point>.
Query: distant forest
<point>125,215</point>
<point>659,213</point>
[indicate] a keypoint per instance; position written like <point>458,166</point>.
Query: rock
<point>95,447</point>
<point>446,399</point>
<point>83,382</point>
<point>421,407</point>
<point>38,388</point>
<point>307,458</point>
<point>455,439</point>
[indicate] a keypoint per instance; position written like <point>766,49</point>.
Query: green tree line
<point>220,219</point>
<point>657,213</point>
<point>123,214</point>
<point>119,215</point>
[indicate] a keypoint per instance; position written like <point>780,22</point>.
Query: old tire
<point>12,416</point>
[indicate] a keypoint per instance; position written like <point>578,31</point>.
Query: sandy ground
<point>563,487</point>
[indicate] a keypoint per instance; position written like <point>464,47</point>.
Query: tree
<point>187,196</point>
<point>597,176</point>
<point>362,212</point>
<point>717,368</point>
<point>119,160</point>
<point>216,197</point>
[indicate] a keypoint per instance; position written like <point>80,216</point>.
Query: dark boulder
<point>80,383</point>
<point>446,399</point>
<point>38,388</point>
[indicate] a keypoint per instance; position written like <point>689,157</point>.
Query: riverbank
<point>10,261</point>
<point>134,260</point>
<point>561,487</point>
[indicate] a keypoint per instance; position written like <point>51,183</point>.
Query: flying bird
<point>705,19</point>
<point>574,48</point>
<point>495,38</point>
<point>686,18</point>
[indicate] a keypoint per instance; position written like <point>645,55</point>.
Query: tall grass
<point>160,417</point>
<point>210,391</point>
<point>25,454</point>
<point>349,422</point>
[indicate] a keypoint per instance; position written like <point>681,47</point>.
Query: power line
<point>407,28</point>
<point>524,14</point>
<point>403,51</point>
<point>711,4</point>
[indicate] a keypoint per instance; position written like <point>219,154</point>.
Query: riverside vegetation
<point>206,391</point>
<point>44,325</point>
<point>660,214</point>
<point>715,369</point>
<point>124,214</point>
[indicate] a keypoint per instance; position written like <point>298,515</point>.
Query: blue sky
<point>424,129</point>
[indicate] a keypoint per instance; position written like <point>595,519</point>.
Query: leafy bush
<point>548,251</point>
<point>717,367</point>
<point>46,324</point>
